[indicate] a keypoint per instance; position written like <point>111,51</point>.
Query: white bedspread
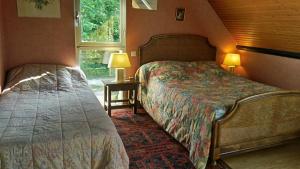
<point>49,118</point>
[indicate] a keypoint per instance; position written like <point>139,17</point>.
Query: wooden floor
<point>281,157</point>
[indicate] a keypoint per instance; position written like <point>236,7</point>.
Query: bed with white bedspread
<point>50,118</point>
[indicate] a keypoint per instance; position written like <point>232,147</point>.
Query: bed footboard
<point>257,122</point>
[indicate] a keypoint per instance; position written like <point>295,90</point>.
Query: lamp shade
<point>119,60</point>
<point>232,60</point>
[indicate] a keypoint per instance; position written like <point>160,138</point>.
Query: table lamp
<point>231,61</point>
<point>119,61</point>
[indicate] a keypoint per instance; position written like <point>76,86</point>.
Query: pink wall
<point>2,69</point>
<point>273,70</point>
<point>42,40</point>
<point>200,19</point>
<point>39,40</point>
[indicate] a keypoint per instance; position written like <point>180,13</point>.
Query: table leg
<point>135,101</point>
<point>109,102</point>
<point>105,97</point>
<point>130,94</point>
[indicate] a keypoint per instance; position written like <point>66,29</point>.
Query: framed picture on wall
<point>180,12</point>
<point>39,8</point>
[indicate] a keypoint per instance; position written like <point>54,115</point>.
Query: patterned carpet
<point>147,145</point>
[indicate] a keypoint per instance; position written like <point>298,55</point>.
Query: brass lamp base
<point>231,69</point>
<point>120,75</point>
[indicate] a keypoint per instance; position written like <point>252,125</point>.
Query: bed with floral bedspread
<point>185,97</point>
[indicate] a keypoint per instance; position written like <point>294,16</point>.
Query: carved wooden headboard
<point>178,47</point>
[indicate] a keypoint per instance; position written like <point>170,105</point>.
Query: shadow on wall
<point>273,70</point>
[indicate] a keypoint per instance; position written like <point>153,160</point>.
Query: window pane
<point>100,20</point>
<point>94,64</point>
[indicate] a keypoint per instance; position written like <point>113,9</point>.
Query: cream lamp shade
<point>231,61</point>
<point>119,61</point>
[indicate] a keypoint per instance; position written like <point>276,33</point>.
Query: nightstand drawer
<point>122,87</point>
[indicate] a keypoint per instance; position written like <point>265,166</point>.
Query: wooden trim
<point>281,53</point>
<point>268,24</point>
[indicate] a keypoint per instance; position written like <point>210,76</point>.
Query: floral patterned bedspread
<point>50,119</point>
<point>185,97</point>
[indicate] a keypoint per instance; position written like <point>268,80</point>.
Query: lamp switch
<point>133,53</point>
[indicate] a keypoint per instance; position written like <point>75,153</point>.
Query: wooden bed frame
<point>256,122</point>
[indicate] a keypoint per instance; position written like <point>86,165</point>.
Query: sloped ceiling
<point>272,24</point>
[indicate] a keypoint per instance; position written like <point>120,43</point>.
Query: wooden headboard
<point>178,47</point>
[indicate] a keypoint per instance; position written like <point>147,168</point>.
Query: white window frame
<point>107,46</point>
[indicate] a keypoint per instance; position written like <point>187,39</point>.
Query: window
<point>100,30</point>
<point>100,23</point>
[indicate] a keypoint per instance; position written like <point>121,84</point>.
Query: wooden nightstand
<point>109,87</point>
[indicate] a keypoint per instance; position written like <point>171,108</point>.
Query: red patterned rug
<point>149,146</point>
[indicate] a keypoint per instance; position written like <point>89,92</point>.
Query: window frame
<point>79,45</point>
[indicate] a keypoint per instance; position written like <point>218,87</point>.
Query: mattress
<point>49,118</point>
<point>186,97</point>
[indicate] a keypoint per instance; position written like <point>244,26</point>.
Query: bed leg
<point>213,149</point>
<point>213,163</point>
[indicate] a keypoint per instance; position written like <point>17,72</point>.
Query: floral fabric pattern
<point>185,97</point>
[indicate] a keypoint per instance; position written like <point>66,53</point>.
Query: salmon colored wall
<point>200,19</point>
<point>39,40</point>
<point>273,70</point>
<point>2,69</point>
<point>42,40</point>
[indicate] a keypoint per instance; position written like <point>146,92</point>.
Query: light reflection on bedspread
<point>185,97</point>
<point>50,119</point>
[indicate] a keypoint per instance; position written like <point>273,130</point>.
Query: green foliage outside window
<point>94,64</point>
<point>100,20</point>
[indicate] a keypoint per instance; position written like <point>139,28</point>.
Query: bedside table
<point>109,87</point>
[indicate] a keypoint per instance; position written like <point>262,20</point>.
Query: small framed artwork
<point>39,8</point>
<point>180,14</point>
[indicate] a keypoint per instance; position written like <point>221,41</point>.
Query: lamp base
<point>231,69</point>
<point>120,75</point>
